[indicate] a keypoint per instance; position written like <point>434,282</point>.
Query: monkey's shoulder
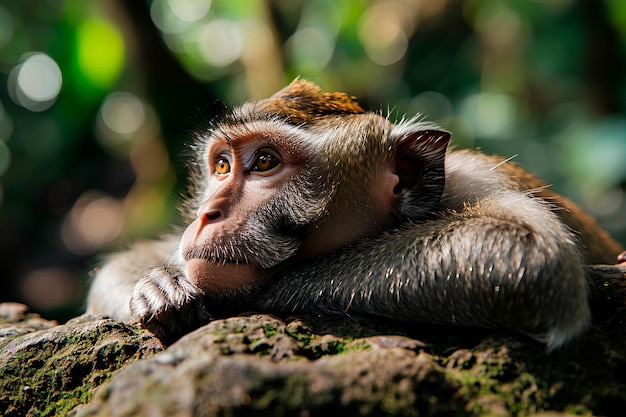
<point>473,162</point>
<point>472,176</point>
<point>478,181</point>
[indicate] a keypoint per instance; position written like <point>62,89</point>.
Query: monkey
<point>304,202</point>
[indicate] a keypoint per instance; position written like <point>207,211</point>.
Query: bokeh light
<point>257,40</point>
<point>49,288</point>
<point>490,115</point>
<point>189,10</point>
<point>123,120</point>
<point>594,154</point>
<point>220,42</point>
<point>383,32</point>
<point>94,221</point>
<point>165,19</point>
<point>99,52</point>
<point>311,46</point>
<point>36,82</point>
<point>123,113</point>
<point>432,105</point>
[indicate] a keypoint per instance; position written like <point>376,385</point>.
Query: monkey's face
<point>258,194</point>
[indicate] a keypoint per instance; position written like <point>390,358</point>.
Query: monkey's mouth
<point>217,262</point>
<point>215,259</point>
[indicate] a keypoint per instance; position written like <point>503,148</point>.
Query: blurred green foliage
<point>98,98</point>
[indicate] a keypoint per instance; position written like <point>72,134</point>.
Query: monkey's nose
<point>212,215</point>
<point>207,217</point>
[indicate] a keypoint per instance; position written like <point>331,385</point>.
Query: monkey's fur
<point>360,215</point>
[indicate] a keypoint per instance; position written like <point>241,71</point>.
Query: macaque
<point>306,203</point>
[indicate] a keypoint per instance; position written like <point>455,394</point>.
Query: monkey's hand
<point>167,304</point>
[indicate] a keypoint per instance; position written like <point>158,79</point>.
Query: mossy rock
<point>258,364</point>
<point>48,369</point>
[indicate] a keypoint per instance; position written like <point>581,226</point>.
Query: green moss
<point>53,377</point>
<point>242,328</point>
<point>520,393</point>
<point>44,391</point>
<point>259,346</point>
<point>578,410</point>
<point>358,346</point>
<point>395,403</point>
<point>65,401</point>
<point>269,330</point>
<point>301,335</point>
<point>334,347</point>
<point>282,396</point>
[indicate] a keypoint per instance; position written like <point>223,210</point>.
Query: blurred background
<point>98,98</point>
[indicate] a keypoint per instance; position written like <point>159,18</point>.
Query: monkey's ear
<point>420,166</point>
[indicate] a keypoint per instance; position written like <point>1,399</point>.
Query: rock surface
<point>48,369</point>
<point>309,365</point>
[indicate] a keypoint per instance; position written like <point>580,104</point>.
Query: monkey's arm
<point>505,262</point>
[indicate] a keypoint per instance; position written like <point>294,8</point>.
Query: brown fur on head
<point>302,102</point>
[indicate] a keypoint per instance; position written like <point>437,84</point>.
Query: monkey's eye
<point>264,162</point>
<point>222,166</point>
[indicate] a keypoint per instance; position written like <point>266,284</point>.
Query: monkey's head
<point>299,175</point>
